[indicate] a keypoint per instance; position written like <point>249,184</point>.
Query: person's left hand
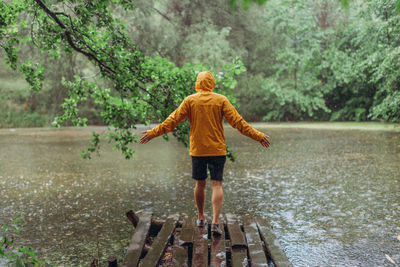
<point>145,138</point>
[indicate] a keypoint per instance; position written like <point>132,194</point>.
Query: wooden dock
<point>177,241</point>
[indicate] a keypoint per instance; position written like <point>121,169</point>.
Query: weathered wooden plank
<point>180,257</point>
<point>256,251</point>
<point>138,241</point>
<point>236,235</point>
<point>132,217</point>
<point>183,250</point>
<point>179,253</point>
<point>160,243</point>
<point>238,242</point>
<point>200,247</point>
<point>218,250</point>
<point>239,257</point>
<point>271,242</point>
<point>187,233</point>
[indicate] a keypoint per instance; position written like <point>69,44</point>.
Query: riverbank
<point>364,126</point>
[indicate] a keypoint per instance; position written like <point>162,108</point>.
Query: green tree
<point>142,89</point>
<point>362,64</point>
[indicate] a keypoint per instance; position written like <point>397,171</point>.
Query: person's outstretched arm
<point>236,121</point>
<point>176,117</point>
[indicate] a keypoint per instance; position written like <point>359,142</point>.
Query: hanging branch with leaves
<point>140,89</point>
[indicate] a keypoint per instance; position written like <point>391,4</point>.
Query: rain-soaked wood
<point>138,241</point>
<point>239,257</point>
<point>160,242</point>
<point>235,232</point>
<point>218,250</point>
<point>179,253</point>
<point>183,244</point>
<point>255,246</point>
<point>200,247</point>
<point>187,234</point>
<point>145,249</point>
<point>132,217</point>
<point>238,242</point>
<point>155,224</point>
<point>271,242</point>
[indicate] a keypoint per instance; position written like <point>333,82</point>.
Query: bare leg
<point>216,199</point>
<point>199,196</point>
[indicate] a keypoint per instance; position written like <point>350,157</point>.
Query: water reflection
<point>331,195</point>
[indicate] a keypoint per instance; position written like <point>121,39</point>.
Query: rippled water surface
<point>333,196</point>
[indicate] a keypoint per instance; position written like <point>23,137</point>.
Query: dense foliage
<point>305,60</point>
<point>120,63</point>
<point>134,88</point>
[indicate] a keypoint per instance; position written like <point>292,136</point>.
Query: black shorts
<point>215,165</point>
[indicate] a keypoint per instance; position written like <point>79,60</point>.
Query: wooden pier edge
<point>272,245</point>
<point>178,241</point>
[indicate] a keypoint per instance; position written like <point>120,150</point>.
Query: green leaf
<point>345,3</point>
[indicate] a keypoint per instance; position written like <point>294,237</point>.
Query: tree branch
<point>68,35</point>
<point>164,16</point>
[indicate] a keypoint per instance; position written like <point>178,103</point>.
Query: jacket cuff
<point>260,136</point>
<point>150,133</point>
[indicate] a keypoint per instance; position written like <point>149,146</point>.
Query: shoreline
<point>364,126</point>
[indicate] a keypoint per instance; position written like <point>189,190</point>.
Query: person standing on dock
<point>206,111</point>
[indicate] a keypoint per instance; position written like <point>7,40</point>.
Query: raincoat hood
<point>205,82</point>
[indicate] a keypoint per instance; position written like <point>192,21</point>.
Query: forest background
<point>316,60</point>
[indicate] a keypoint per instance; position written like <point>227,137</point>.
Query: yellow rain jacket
<point>206,111</point>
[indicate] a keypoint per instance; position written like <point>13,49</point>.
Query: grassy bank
<point>365,126</point>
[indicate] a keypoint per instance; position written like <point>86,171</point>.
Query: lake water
<point>332,196</point>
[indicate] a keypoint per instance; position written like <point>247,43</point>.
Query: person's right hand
<point>265,141</point>
<point>145,138</point>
